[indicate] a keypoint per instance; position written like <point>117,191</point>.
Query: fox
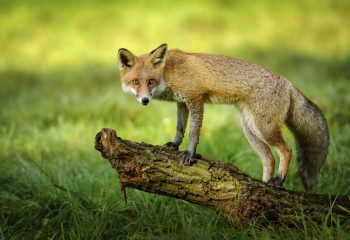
<point>265,100</point>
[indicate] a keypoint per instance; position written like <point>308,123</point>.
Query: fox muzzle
<point>145,101</point>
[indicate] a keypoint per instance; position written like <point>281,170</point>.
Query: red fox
<point>264,99</point>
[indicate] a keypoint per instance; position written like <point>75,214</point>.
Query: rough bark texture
<point>214,184</point>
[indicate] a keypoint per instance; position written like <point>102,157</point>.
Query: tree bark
<point>218,185</point>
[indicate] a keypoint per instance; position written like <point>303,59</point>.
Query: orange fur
<point>265,100</point>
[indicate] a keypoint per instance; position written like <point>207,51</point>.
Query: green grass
<point>59,85</point>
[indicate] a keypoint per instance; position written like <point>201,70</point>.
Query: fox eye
<point>136,82</point>
<point>151,81</point>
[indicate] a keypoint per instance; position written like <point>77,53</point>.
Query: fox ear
<point>158,55</point>
<point>126,58</point>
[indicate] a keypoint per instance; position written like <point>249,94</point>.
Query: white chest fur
<point>179,97</point>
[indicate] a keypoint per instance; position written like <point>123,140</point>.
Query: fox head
<point>142,76</point>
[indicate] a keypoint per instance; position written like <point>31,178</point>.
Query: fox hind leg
<point>272,135</point>
<point>262,149</point>
<point>285,154</point>
<point>261,132</point>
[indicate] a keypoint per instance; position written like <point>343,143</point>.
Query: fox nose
<point>145,101</point>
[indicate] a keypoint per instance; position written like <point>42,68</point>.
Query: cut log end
<point>214,184</point>
<point>108,143</point>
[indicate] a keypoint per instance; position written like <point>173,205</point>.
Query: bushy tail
<point>310,130</point>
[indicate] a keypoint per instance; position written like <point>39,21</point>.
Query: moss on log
<point>214,184</point>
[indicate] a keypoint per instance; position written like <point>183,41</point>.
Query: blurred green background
<point>59,85</point>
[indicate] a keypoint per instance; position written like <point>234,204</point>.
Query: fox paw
<point>171,145</point>
<point>275,182</point>
<point>188,158</point>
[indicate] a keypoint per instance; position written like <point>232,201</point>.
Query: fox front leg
<point>182,117</point>
<point>196,117</point>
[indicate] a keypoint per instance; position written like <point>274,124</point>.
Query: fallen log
<point>215,184</point>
